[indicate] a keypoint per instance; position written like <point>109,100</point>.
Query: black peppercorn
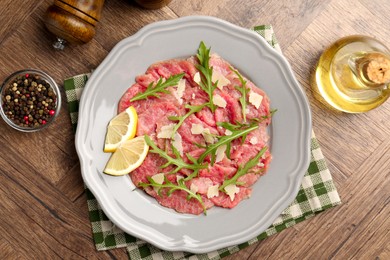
<point>29,101</point>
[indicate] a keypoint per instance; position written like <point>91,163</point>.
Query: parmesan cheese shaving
<point>219,101</point>
<point>197,78</point>
<point>228,132</point>
<point>220,153</point>
<point>208,136</point>
<point>222,80</point>
<point>194,188</point>
<point>181,86</point>
<point>197,129</point>
<point>213,191</point>
<point>255,99</point>
<point>158,178</point>
<point>177,143</point>
<point>232,190</point>
<point>166,131</point>
<point>253,140</point>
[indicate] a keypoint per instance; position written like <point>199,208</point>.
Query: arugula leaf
<point>271,113</point>
<point>206,73</point>
<point>192,110</point>
<point>243,90</point>
<point>238,125</point>
<point>173,187</point>
<point>243,170</point>
<point>178,161</point>
<point>232,127</point>
<point>158,88</point>
<point>226,139</point>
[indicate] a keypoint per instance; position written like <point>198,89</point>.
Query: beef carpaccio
<point>199,131</point>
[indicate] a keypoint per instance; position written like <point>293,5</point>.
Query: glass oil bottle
<point>353,74</point>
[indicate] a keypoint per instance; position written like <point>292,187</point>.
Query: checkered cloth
<point>317,193</point>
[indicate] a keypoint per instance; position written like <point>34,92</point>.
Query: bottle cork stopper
<point>376,67</point>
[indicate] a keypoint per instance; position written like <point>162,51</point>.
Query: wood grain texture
<point>43,206</point>
<point>13,13</point>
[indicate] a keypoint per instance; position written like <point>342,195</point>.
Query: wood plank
<point>7,251</point>
<point>374,227</point>
<point>42,229</point>
<point>38,152</point>
<point>46,220</point>
<point>378,8</point>
<point>13,13</point>
<point>376,224</point>
<point>276,243</point>
<point>71,184</point>
<point>339,178</point>
<point>129,17</point>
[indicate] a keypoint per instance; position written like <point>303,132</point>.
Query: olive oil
<point>343,75</point>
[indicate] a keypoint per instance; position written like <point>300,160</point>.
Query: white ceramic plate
<point>140,215</point>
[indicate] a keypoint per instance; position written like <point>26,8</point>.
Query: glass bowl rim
<point>45,77</point>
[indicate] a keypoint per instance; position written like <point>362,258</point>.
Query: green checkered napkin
<point>317,193</point>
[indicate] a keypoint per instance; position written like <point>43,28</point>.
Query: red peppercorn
<point>32,103</point>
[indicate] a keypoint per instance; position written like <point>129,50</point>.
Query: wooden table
<point>43,207</point>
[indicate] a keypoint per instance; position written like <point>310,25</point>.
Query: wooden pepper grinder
<point>73,21</point>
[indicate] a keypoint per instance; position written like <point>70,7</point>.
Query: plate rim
<point>304,108</point>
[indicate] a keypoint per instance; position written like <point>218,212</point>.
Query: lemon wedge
<point>127,157</point>
<point>121,128</point>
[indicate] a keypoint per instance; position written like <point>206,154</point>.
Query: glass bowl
<point>30,100</point>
